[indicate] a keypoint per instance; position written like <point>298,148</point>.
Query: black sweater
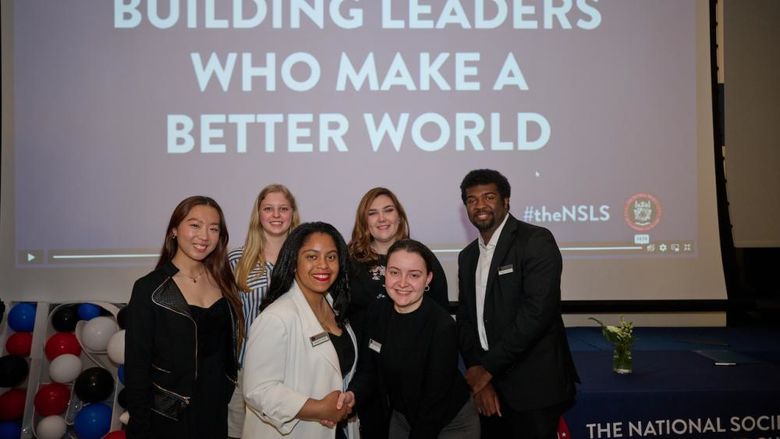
<point>416,368</point>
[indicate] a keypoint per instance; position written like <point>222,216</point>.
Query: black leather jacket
<point>161,352</point>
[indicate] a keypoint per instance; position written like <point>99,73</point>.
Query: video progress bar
<point>76,257</point>
<point>112,256</point>
<point>570,249</point>
<point>601,249</point>
<point>106,257</point>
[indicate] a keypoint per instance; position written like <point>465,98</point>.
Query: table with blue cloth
<point>676,389</point>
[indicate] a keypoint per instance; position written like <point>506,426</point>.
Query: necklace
<point>195,278</point>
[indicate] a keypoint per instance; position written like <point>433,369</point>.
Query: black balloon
<point>65,318</point>
<point>122,399</point>
<point>94,385</point>
<point>121,318</point>
<point>13,370</point>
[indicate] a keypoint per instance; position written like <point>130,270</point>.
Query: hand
<point>328,424</point>
<point>346,399</point>
<point>333,409</point>
<point>477,377</point>
<point>486,401</point>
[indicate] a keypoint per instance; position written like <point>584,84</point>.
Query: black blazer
<point>528,354</point>
<point>161,356</point>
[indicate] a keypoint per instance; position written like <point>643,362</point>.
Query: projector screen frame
<point>122,278</point>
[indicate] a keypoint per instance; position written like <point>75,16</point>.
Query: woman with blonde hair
<point>274,215</point>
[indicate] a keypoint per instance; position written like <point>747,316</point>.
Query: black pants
<point>374,419</point>
<point>526,424</point>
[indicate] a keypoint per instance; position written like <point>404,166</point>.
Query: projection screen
<point>598,112</point>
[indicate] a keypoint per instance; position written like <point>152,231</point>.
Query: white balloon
<point>96,333</point>
<point>51,427</point>
<point>124,417</point>
<point>116,347</point>
<point>65,368</point>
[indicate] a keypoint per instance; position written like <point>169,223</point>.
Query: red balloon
<point>52,399</point>
<point>12,404</point>
<point>62,343</point>
<point>19,344</point>
<point>117,434</point>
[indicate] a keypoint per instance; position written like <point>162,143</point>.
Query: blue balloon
<point>121,373</point>
<point>87,311</point>
<point>10,429</point>
<point>93,421</point>
<point>21,318</point>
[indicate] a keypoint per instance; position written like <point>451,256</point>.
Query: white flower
<point>621,334</point>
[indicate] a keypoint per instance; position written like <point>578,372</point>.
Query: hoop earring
<point>427,288</point>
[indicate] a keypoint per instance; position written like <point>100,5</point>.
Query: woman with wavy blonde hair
<point>380,221</point>
<point>274,215</point>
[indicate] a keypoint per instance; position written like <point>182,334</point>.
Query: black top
<point>344,349</point>
<point>164,364</point>
<point>367,284</point>
<point>208,419</point>
<point>346,353</point>
<point>412,359</point>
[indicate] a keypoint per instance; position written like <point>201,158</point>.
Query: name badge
<point>506,269</point>
<point>318,339</point>
<point>374,346</point>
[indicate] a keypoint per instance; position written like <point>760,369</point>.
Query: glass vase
<point>621,359</point>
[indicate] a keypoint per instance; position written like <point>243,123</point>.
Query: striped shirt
<point>258,285</point>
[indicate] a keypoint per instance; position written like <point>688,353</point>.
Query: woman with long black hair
<point>301,352</point>
<point>184,324</point>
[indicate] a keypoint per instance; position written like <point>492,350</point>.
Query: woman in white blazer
<point>301,353</point>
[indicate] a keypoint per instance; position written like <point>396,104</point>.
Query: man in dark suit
<point>510,330</point>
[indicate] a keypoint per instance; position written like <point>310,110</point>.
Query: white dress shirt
<point>482,273</point>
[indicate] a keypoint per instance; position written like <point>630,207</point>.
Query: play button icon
<point>30,257</point>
